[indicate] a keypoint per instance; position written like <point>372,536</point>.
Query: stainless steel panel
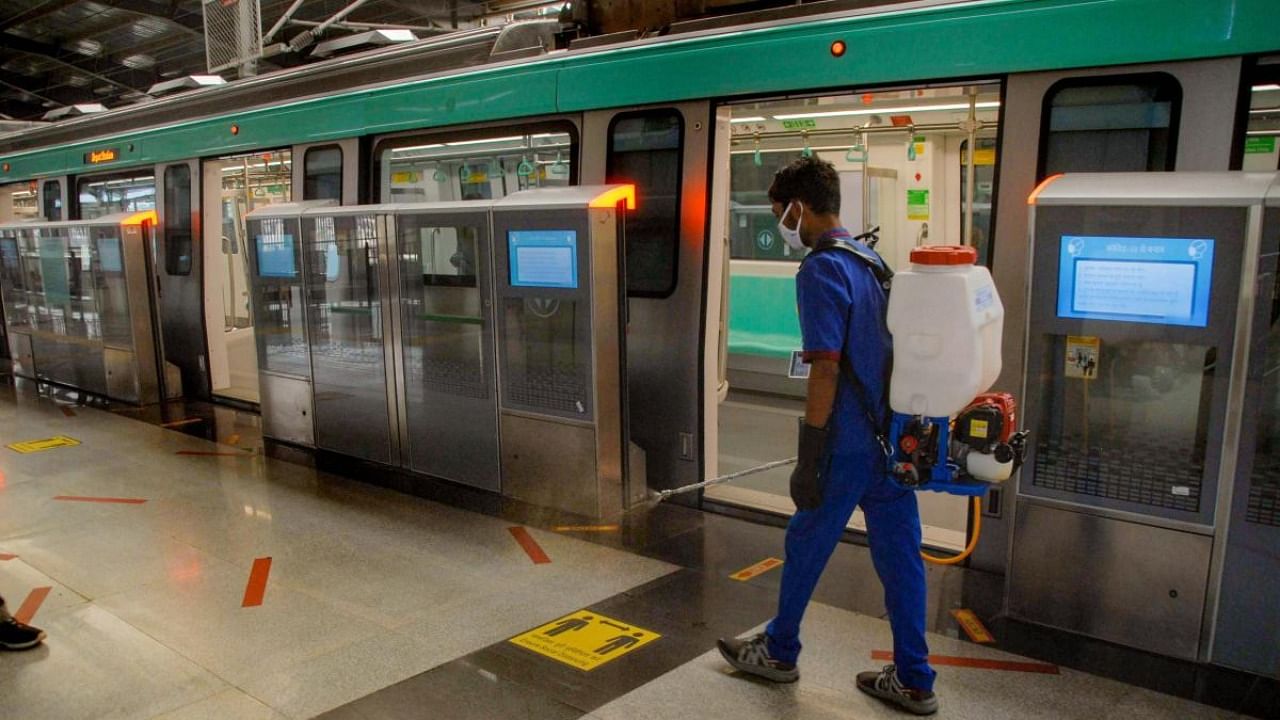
<point>609,344</point>
<point>122,374</point>
<point>1132,584</point>
<point>180,310</point>
<point>286,409</point>
<point>345,330</point>
<point>551,463</point>
<point>20,351</point>
<point>137,272</point>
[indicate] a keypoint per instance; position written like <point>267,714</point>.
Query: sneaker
<point>752,656</point>
<point>16,635</point>
<point>886,686</point>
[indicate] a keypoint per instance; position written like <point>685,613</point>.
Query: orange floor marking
<point>7,556</point>
<point>759,568</point>
<point>531,547</point>
<point>256,589</point>
<point>82,498</point>
<point>180,423</point>
<point>208,453</point>
<point>587,528</point>
<point>972,626</point>
<point>68,411</point>
<point>233,440</point>
<point>979,663</point>
<point>32,604</point>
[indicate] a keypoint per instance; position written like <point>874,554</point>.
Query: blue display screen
<point>543,258</point>
<point>1163,281</point>
<point>109,258</point>
<point>276,257</point>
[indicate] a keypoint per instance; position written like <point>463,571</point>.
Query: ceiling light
<point>753,118</point>
<point>513,138</point>
<point>1266,88</point>
<point>886,110</point>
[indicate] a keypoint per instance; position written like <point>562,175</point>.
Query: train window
<point>322,173</point>
<point>53,200</point>
<point>753,231</point>
<point>645,149</point>
<point>1116,124</point>
<point>1260,151</point>
<point>476,165</point>
<point>103,195</point>
<point>177,220</point>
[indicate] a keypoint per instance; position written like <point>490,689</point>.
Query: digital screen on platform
<point>276,256</point>
<point>543,258</point>
<point>1163,281</point>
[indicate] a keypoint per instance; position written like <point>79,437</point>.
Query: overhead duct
<point>77,110</point>
<point>182,84</point>
<point>362,41</point>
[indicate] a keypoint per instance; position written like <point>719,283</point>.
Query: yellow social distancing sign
<point>31,446</point>
<point>585,639</point>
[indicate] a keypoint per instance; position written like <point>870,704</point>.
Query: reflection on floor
<point>758,428</point>
<point>379,604</point>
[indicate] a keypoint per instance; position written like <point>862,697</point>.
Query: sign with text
<point>1149,280</point>
<point>96,157</point>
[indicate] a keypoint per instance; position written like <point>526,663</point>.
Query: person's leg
<point>893,531</point>
<point>812,535</point>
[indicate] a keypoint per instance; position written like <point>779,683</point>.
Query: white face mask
<point>792,237</point>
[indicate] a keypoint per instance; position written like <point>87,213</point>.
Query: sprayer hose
<point>973,540</point>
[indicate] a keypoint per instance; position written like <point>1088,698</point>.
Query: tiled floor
<point>385,605</point>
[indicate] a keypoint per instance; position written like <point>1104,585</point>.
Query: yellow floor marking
<point>972,626</point>
<point>586,528</point>
<point>585,639</point>
<point>180,423</point>
<point>759,568</point>
<point>31,446</point>
<point>233,440</point>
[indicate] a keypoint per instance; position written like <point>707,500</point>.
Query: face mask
<point>792,237</point>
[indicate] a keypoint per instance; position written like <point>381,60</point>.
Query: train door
<point>179,273</point>
<point>232,187</point>
<point>663,150</point>
<point>901,157</point>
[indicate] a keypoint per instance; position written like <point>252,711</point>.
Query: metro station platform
<point>183,573</point>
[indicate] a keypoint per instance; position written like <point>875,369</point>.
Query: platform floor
<point>378,604</point>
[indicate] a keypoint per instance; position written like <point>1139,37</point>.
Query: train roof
<point>914,42</point>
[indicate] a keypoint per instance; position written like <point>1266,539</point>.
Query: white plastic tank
<point>946,319</point>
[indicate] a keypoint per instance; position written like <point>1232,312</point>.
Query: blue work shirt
<point>842,311</point>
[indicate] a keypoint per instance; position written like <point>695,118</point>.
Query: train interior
<point>902,156</point>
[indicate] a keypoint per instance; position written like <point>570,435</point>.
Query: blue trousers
<point>893,531</point>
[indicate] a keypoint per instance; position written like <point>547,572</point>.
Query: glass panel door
<point>345,323</point>
<point>447,347</point>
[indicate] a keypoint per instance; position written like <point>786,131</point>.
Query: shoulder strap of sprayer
<point>884,278</point>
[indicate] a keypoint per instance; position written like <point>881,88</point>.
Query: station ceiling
<point>56,53</point>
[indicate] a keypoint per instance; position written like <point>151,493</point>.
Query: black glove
<point>806,484</point>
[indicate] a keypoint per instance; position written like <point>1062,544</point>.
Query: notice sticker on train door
<point>1082,357</point>
<point>585,639</point>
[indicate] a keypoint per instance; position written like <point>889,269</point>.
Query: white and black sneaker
<point>751,655</point>
<point>886,686</point>
<point>15,635</point>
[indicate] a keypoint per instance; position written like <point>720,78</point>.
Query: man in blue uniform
<point>841,463</point>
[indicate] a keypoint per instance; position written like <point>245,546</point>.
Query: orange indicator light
<point>837,48</point>
<point>611,198</point>
<point>1031,199</point>
<point>235,129</point>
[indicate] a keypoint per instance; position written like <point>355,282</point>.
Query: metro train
<point>940,116</point>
